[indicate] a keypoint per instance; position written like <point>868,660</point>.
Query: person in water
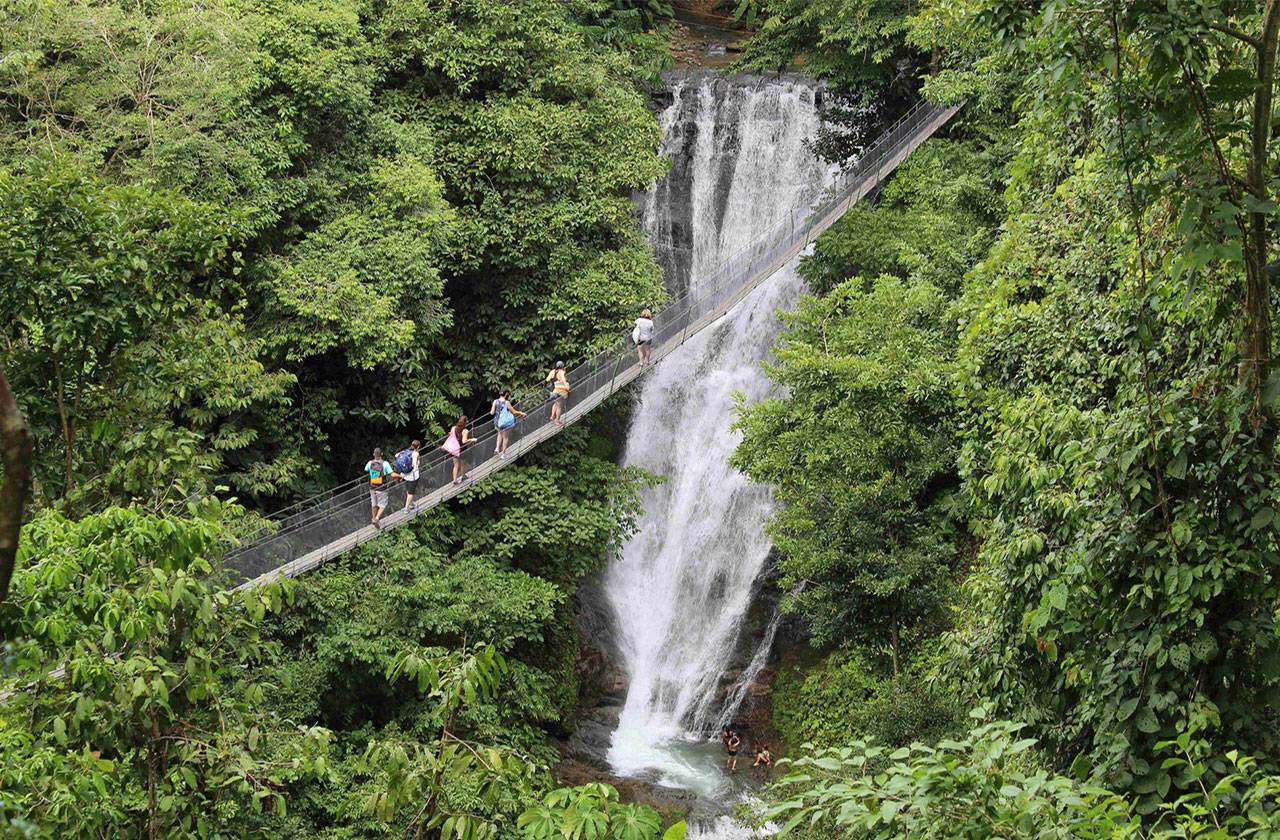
<point>504,420</point>
<point>642,335</point>
<point>380,473</point>
<point>454,443</point>
<point>559,383</point>
<point>731,746</point>
<point>764,760</point>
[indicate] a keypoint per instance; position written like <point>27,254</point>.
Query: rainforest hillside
<point>1021,444</point>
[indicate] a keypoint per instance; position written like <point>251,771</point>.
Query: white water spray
<point>683,585</point>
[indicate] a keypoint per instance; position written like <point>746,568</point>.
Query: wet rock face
<point>672,233</point>
<point>756,712</point>
<point>590,742</point>
<point>601,681</point>
<point>671,802</point>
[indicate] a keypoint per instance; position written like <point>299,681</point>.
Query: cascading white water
<point>683,585</point>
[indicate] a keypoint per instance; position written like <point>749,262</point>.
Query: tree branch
<point>1237,34</point>
<point>15,440</point>
<point>1205,111</point>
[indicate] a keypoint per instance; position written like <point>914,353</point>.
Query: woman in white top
<point>413,476</point>
<point>642,335</point>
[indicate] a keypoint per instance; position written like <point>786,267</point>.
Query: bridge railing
<point>335,517</point>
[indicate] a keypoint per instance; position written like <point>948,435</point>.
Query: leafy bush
<point>842,697</point>
<point>992,784</point>
<point>589,812</point>
<point>158,726</point>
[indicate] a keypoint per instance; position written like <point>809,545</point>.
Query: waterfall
<point>681,589</point>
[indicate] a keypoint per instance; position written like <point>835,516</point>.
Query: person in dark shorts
<point>731,746</point>
<point>642,335</point>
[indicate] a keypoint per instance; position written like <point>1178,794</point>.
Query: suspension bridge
<point>307,534</point>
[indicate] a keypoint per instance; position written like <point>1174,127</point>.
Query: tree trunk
<point>1255,340</point>
<point>895,648</point>
<point>153,809</point>
<point>16,443</point>
<point>68,434</point>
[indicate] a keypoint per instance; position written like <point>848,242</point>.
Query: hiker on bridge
<point>407,464</point>
<point>642,336</point>
<point>559,383</point>
<point>380,473</point>
<point>455,442</point>
<point>504,420</point>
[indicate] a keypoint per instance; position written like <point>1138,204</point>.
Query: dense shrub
<point>842,698</point>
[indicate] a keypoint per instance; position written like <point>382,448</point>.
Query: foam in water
<point>682,586</point>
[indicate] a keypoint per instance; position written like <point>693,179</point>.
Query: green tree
<point>932,222</point>
<point>1181,99</point>
<point>845,695</point>
<point>92,270</point>
<point>411,193</point>
<point>861,448</point>
<point>1128,567</point>
<point>858,45</point>
<point>457,637</point>
<point>154,725</point>
<point>541,142</point>
<point>15,455</point>
<point>861,457</point>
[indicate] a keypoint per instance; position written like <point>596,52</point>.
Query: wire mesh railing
<point>338,519</point>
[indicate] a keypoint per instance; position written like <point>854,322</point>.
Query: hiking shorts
<point>378,498</point>
<point>411,486</point>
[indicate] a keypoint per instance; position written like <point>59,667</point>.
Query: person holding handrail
<point>559,384</point>
<point>642,335</point>
<point>504,420</point>
<point>380,473</point>
<point>454,443</point>
<point>408,465</point>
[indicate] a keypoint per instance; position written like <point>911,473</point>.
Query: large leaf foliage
<point>989,784</point>
<point>588,812</point>
<point>158,727</point>
<point>443,654</point>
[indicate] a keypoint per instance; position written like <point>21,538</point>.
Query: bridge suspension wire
<point>331,523</point>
